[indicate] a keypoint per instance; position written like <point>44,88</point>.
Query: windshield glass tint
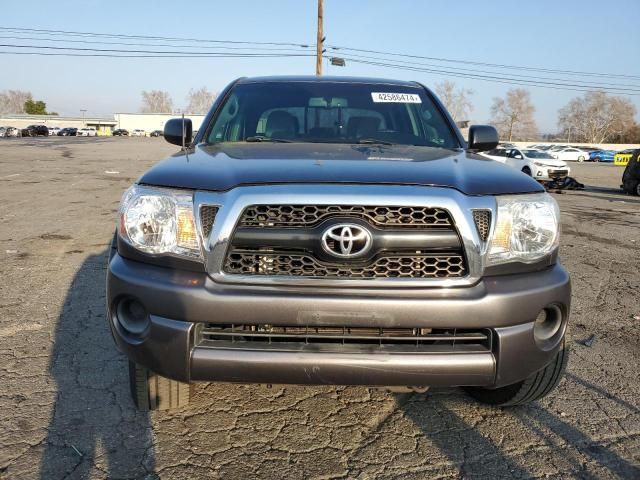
<point>536,154</point>
<point>331,113</point>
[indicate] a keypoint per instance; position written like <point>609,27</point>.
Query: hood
<point>221,167</point>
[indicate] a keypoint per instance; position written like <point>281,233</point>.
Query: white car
<point>86,132</point>
<point>535,163</point>
<point>138,133</point>
<point>13,132</point>
<point>54,130</point>
<point>571,154</point>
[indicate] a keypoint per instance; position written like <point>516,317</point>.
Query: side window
<point>228,126</point>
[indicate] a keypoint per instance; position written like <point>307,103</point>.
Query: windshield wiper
<point>373,141</point>
<point>262,138</point>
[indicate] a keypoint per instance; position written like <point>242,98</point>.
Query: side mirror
<point>518,156</point>
<point>178,132</point>
<point>482,138</point>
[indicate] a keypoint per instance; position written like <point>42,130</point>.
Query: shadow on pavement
<point>94,425</point>
<point>478,456</point>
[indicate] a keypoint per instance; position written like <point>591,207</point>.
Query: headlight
<point>159,221</point>
<point>527,229</point>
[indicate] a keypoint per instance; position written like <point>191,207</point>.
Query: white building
<point>151,121</point>
<point>103,125</point>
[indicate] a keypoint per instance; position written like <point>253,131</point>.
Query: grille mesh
<point>387,266</point>
<point>278,216</point>
<point>482,219</point>
<point>207,217</point>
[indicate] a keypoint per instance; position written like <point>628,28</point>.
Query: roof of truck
<point>327,79</point>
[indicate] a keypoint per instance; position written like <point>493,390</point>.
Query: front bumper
<point>181,302</point>
<point>551,173</point>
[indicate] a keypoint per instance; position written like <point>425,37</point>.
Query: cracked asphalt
<point>65,410</point>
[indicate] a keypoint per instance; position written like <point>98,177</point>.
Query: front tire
<point>581,159</point>
<point>532,388</point>
<point>151,391</point>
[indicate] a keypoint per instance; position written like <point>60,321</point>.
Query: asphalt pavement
<point>65,410</point>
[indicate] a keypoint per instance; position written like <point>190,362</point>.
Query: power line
<point>504,80</point>
<point>139,44</point>
<point>513,76</point>
<point>155,52</point>
<point>147,37</point>
<point>484,64</point>
<point>70,54</point>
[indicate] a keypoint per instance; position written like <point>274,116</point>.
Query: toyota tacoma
<point>336,231</point>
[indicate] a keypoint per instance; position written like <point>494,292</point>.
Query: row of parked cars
<point>121,132</point>
<point>536,163</point>
<point>44,131</point>
<point>579,154</point>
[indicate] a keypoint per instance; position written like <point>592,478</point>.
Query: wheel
<point>151,391</point>
<point>528,390</point>
<point>597,159</point>
<point>526,170</point>
<point>581,159</point>
<point>637,189</point>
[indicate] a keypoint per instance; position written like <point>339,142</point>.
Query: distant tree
<point>596,118</point>
<point>12,101</point>
<point>156,101</point>
<point>199,101</point>
<point>631,134</point>
<point>513,115</point>
<point>457,100</point>
<point>35,107</point>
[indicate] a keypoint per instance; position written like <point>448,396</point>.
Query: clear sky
<point>587,35</point>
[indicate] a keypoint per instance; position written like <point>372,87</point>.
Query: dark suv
<point>337,231</point>
<point>35,131</point>
<point>631,174</point>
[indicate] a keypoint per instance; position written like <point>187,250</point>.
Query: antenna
<point>184,132</point>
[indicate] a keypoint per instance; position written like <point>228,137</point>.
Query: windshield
<point>536,154</point>
<point>331,113</point>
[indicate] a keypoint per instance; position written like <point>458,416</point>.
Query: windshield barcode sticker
<point>381,97</point>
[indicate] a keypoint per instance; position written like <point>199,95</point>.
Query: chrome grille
<point>292,216</point>
<point>207,217</point>
<point>296,336</point>
<point>482,219</point>
<point>384,266</point>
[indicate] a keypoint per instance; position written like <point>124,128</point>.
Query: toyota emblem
<point>346,240</point>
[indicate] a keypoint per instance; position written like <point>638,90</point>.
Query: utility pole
<point>320,39</point>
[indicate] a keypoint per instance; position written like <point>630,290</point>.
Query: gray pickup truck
<point>337,231</point>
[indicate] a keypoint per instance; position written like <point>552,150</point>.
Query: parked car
<point>535,163</point>
<point>68,132</point>
<point>571,154</point>
<point>54,130</point>
<point>138,133</point>
<point>156,133</point>
<point>120,132</point>
<point>12,132</point>
<point>631,174</point>
<point>35,131</point>
<point>3,130</point>
<point>86,132</point>
<point>601,156</point>
<point>390,253</point>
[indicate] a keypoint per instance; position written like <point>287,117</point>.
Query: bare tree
<point>156,101</point>
<point>513,115</point>
<point>596,118</point>
<point>456,100</point>
<point>12,101</point>
<point>199,101</point>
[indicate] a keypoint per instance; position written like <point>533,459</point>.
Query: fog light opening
<point>548,323</point>
<point>133,316</point>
